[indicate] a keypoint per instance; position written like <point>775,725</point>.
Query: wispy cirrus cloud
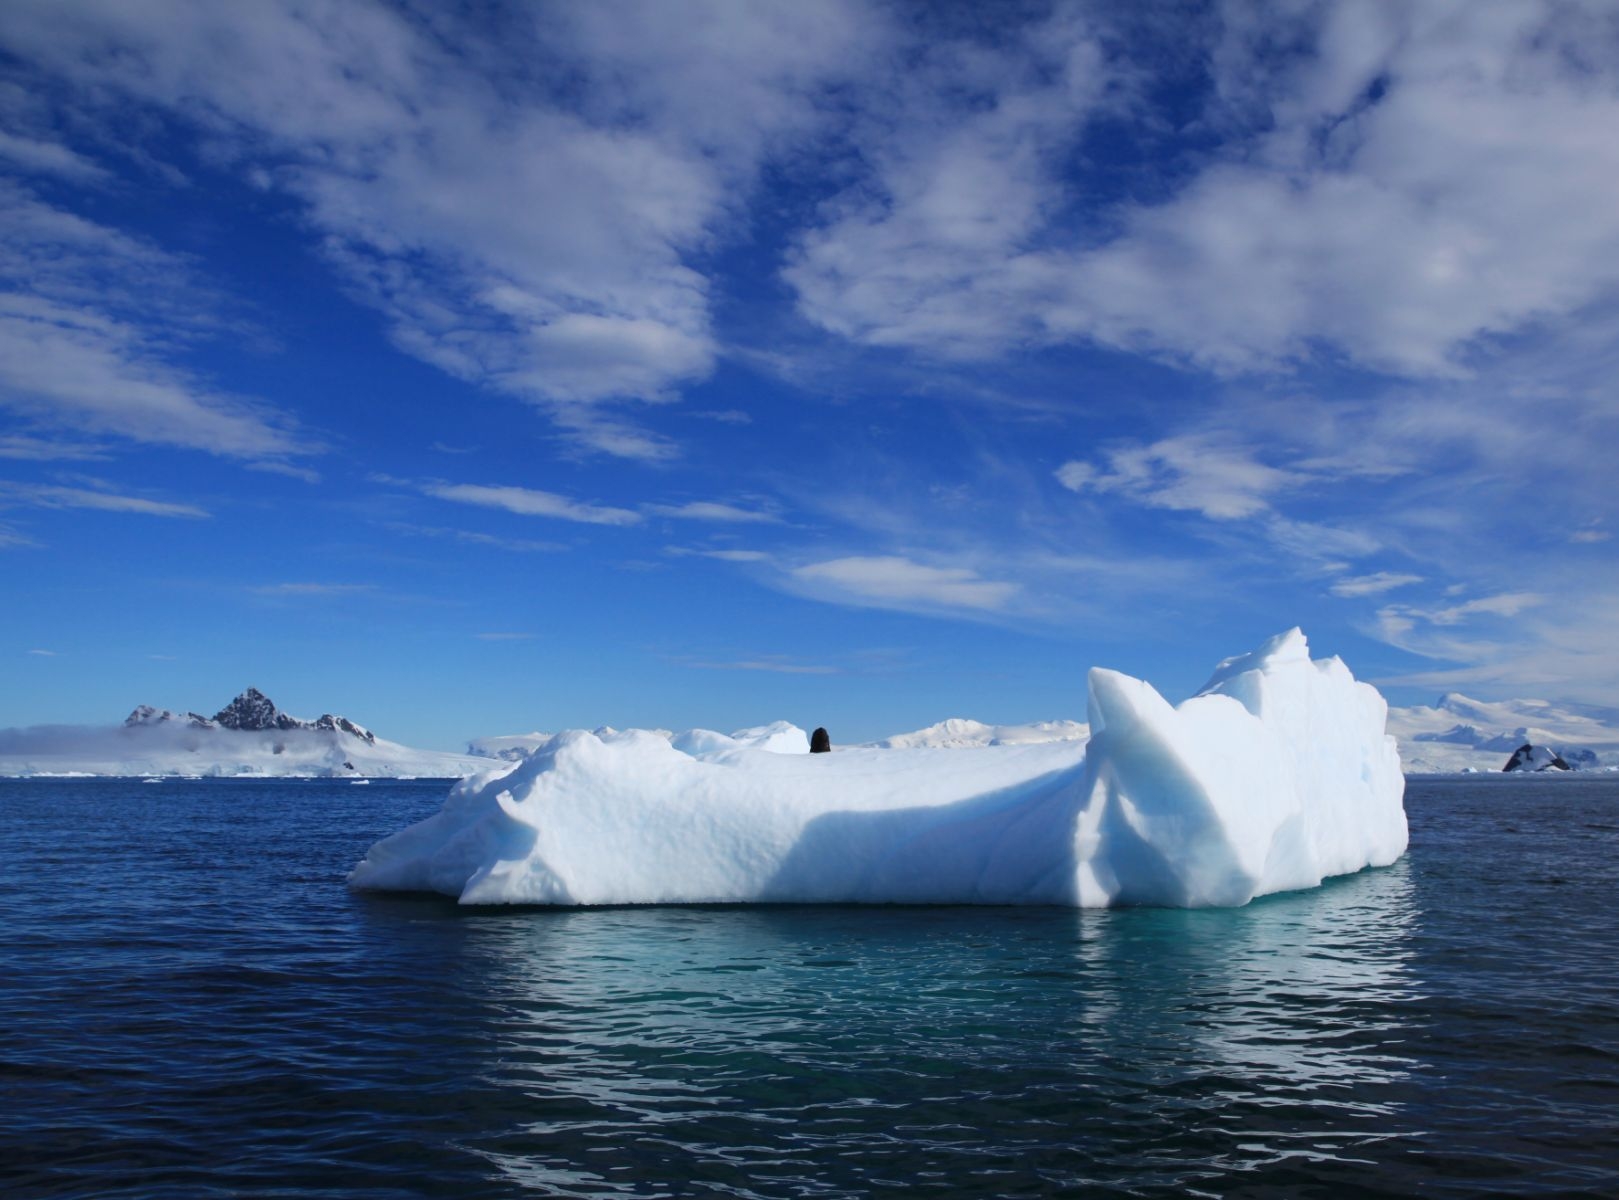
<point>311,590</point>
<point>733,556</point>
<point>1203,473</point>
<point>1561,643</point>
<point>531,502</point>
<point>1372,585</point>
<point>55,496</point>
<point>898,582</point>
<point>50,449</point>
<point>473,537</point>
<point>708,510</point>
<point>531,238</point>
<point>1506,604</point>
<point>772,665</point>
<point>94,329</point>
<point>12,538</point>
<point>40,156</point>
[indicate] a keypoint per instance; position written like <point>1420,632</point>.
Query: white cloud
<point>893,581</point>
<point>48,158</point>
<point>724,416</point>
<point>1566,647</point>
<point>12,538</point>
<point>1373,585</point>
<point>519,231</point>
<point>38,449</point>
<point>51,496</point>
<point>1318,543</point>
<point>1382,195</point>
<point>1507,604</point>
<point>776,666</point>
<point>92,322</point>
<point>965,149</point>
<point>1416,629</point>
<point>475,538</point>
<point>43,653</point>
<point>530,502</point>
<point>705,510</point>
<point>735,556</point>
<point>1202,473</point>
<point>1589,536</point>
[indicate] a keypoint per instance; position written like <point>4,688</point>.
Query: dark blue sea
<point>192,1004</point>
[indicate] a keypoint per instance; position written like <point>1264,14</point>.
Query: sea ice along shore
<point>1276,775</point>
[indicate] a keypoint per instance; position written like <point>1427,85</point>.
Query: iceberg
<point>1277,774</point>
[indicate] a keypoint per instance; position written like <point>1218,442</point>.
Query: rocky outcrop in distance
<point>1535,758</point>
<point>250,712</point>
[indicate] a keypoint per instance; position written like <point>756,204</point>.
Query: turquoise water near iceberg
<point>192,1004</point>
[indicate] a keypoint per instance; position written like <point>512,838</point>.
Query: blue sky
<point>480,370</point>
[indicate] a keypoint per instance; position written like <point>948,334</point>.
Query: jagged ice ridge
<point>1276,775</point>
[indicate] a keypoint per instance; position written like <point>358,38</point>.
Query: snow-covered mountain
<point>1454,734</point>
<point>1457,733</point>
<point>250,736</point>
<point>959,733</point>
<point>508,747</point>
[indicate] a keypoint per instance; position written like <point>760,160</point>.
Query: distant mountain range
<point>251,712</point>
<point>1454,734</point>
<point>250,736</point>
<point>1457,733</point>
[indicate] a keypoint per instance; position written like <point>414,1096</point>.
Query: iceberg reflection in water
<point>755,1046</point>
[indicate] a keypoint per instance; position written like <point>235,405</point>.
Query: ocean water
<point>193,1005</point>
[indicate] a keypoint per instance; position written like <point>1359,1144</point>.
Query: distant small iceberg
<point>1276,775</point>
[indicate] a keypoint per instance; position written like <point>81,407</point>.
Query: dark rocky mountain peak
<point>344,725</point>
<point>253,711</point>
<point>1529,757</point>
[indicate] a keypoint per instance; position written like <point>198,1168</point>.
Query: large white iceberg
<point>1276,775</point>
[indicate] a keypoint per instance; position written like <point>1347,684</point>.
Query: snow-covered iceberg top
<point>1275,776</point>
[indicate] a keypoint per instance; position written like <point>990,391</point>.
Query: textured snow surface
<point>1278,774</point>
